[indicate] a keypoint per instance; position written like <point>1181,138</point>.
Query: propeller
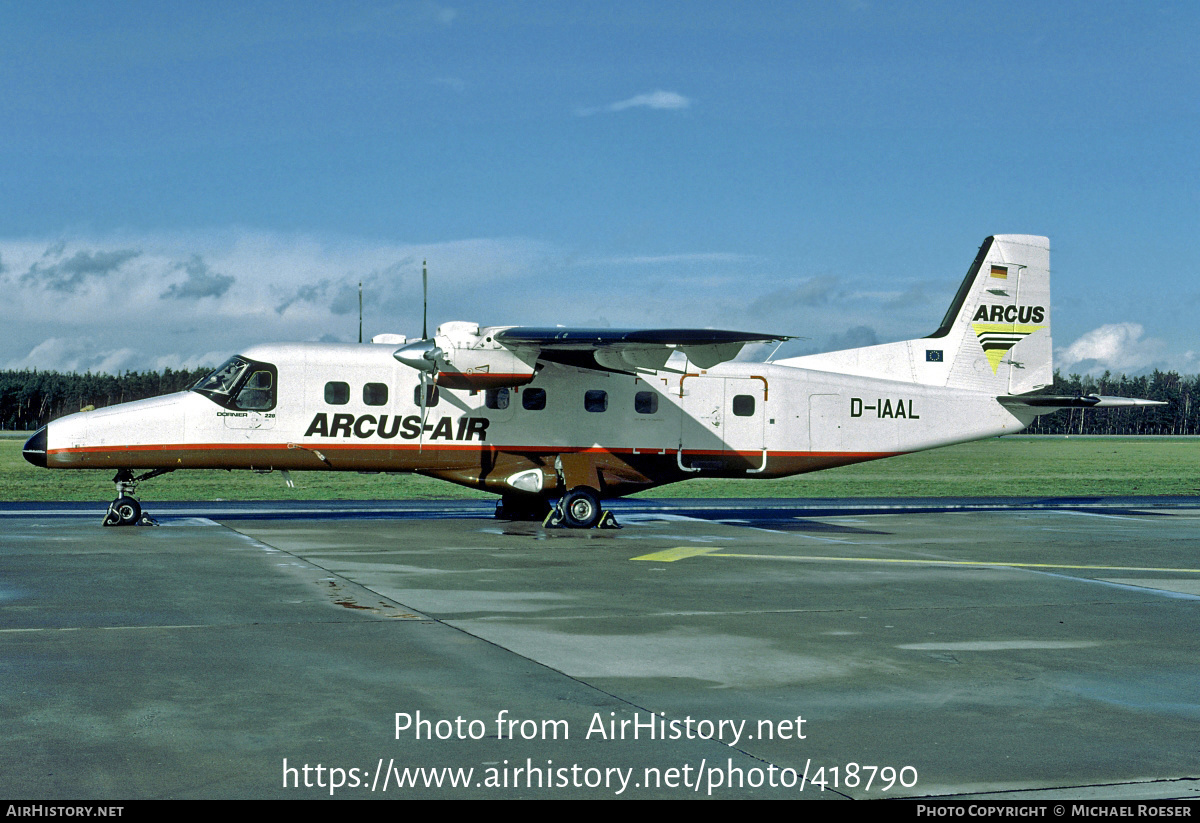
<point>424,355</point>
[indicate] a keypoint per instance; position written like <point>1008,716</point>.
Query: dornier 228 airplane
<point>539,415</point>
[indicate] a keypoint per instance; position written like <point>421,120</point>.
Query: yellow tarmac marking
<point>679,553</point>
<point>1011,564</point>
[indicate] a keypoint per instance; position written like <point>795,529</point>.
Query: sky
<point>181,181</point>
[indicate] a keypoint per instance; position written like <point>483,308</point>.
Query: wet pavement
<point>726,651</point>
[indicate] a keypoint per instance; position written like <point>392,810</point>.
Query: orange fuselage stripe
<point>447,446</point>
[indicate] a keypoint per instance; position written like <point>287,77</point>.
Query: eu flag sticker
<point>933,355</point>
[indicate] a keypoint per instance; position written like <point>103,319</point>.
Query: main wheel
<point>581,508</point>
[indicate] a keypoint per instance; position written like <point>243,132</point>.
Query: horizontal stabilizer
<point>1046,403</point>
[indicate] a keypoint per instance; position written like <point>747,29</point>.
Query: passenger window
<point>496,398</point>
<point>337,393</point>
<point>595,400</point>
<point>375,394</point>
<point>534,399</point>
<point>431,396</point>
<point>645,402</point>
<point>743,405</point>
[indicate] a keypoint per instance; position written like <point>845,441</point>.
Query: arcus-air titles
<point>554,420</point>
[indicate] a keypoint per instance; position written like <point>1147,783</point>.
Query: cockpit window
<point>224,378</point>
<point>241,383</point>
<point>257,392</point>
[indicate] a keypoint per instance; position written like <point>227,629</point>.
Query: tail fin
<point>996,334</point>
<point>994,338</point>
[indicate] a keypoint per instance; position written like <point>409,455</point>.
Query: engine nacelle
<point>463,356</point>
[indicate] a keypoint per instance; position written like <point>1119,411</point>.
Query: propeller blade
<point>424,301</point>
<point>424,410</point>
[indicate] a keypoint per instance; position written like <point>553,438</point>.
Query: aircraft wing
<point>630,350</point>
<point>1049,402</point>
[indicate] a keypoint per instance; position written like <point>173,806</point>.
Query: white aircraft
<point>578,415</point>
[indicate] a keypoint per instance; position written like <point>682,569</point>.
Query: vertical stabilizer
<point>994,338</point>
<point>996,335</point>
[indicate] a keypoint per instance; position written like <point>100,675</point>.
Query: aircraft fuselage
<point>321,407</point>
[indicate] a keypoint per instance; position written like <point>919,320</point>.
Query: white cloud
<point>145,301</point>
<point>1123,348</point>
<point>663,100</point>
<point>117,303</point>
<point>77,355</point>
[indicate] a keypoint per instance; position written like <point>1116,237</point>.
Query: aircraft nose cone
<point>35,448</point>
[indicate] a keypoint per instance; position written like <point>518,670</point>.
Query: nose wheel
<point>124,511</point>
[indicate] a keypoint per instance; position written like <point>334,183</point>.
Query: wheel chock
<point>557,520</point>
<point>607,521</point>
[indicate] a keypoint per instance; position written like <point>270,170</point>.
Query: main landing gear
<point>126,510</point>
<point>577,509</point>
<point>580,509</point>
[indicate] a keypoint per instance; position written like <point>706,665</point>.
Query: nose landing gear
<point>126,510</point>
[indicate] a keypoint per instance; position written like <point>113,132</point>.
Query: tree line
<point>29,399</point>
<point>1181,415</point>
